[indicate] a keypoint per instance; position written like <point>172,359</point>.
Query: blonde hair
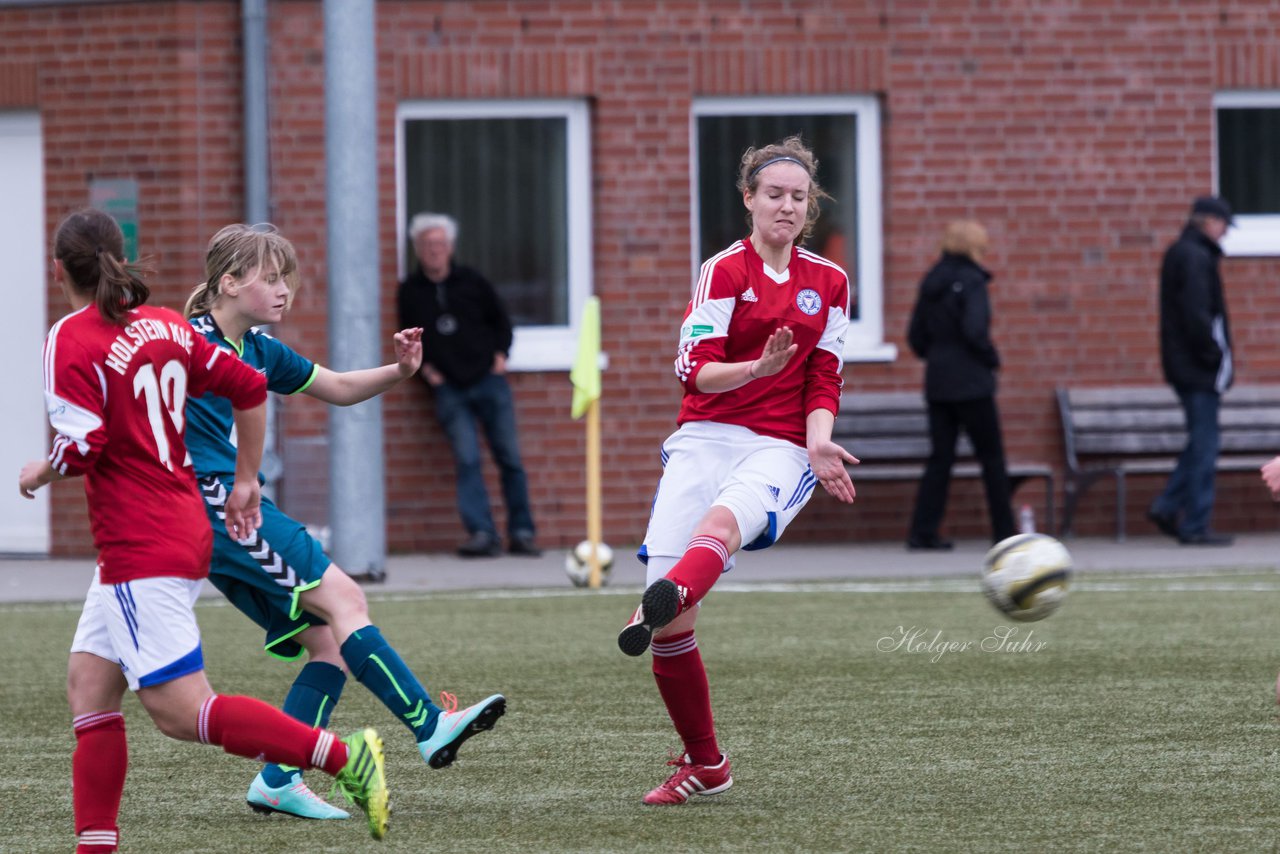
<point>965,237</point>
<point>791,149</point>
<point>237,250</point>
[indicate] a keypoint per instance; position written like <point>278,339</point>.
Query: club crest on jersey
<point>809,302</point>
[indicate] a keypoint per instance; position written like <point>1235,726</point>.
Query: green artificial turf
<point>1140,717</point>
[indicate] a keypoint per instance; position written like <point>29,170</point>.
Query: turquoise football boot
<point>293,798</point>
<point>454,727</point>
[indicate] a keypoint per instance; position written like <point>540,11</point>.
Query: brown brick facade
<point>1076,132</point>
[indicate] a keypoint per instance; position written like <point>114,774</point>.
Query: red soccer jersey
<point>737,304</point>
<point>116,397</point>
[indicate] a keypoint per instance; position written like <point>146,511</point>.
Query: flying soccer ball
<point>577,563</point>
<point>1026,576</point>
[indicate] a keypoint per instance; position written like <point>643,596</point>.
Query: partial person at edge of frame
<point>1271,476</point>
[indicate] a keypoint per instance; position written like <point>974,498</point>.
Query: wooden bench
<point>1116,432</point>
<point>889,433</point>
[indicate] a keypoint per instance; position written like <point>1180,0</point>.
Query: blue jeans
<point>489,401</point>
<point>1189,493</point>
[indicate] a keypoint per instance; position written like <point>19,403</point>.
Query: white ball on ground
<point>577,563</point>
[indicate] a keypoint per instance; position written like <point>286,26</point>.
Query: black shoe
<point>522,543</point>
<point>1206,538</point>
<point>932,543</point>
<point>1167,523</point>
<point>661,603</point>
<point>481,544</point>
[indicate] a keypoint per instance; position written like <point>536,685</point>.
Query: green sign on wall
<point>119,197</point>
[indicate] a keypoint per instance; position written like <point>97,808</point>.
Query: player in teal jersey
<point>281,577</point>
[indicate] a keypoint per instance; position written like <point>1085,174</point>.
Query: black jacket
<point>1195,336</point>
<point>482,329</point>
<point>951,330</point>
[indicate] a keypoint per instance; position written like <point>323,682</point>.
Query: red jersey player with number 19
<point>117,375</point>
<point>759,358</point>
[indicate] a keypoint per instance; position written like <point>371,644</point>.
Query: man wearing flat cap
<point>1195,351</point>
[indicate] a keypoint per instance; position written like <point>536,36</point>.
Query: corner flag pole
<point>585,377</point>
<point>593,492</point>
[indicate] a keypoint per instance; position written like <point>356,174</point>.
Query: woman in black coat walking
<point>950,330</point>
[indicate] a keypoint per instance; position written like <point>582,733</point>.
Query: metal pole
<point>257,179</point>
<point>357,503</point>
<point>257,192</point>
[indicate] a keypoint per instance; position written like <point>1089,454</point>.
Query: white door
<point>24,524</point>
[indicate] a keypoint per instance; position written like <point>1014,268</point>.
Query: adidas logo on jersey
<point>749,295</point>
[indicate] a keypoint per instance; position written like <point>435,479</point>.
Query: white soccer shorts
<point>763,481</point>
<point>147,625</point>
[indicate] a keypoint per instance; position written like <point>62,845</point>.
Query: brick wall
<point>1077,131</point>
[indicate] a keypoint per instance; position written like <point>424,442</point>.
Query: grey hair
<point>427,221</point>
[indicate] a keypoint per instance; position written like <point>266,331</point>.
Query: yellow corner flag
<point>585,375</point>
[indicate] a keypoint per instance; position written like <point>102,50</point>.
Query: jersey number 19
<point>166,395</point>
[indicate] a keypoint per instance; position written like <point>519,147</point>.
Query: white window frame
<point>534,348</point>
<point>865,339</point>
<point>1253,235</point>
<point>25,527</point>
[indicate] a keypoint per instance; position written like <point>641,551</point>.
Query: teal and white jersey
<point>210,427</point>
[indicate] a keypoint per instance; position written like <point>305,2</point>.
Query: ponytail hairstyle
<point>793,150</point>
<point>237,251</point>
<point>90,246</point>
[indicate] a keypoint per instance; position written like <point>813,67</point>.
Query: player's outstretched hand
<point>34,475</point>
<point>827,461</point>
<point>409,350</point>
<point>32,478</point>
<point>244,509</point>
<point>778,350</point>
<point>1271,477</point>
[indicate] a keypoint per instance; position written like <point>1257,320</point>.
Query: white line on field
<point>1173,583</point>
<point>1150,582</point>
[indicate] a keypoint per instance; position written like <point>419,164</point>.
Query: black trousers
<point>981,422</point>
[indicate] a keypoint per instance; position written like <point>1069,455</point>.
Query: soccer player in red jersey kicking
<point>116,376</point>
<point>759,358</point>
